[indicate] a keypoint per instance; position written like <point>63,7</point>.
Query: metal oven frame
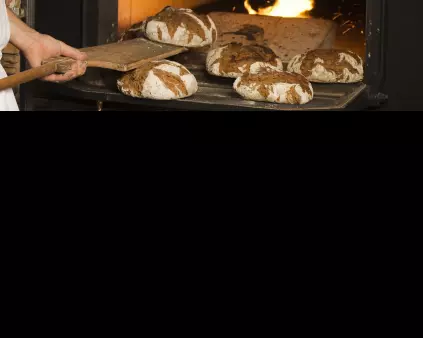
<point>93,22</point>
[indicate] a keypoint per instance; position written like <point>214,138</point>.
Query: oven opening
<point>288,27</point>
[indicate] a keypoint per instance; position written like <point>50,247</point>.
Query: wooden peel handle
<point>34,74</point>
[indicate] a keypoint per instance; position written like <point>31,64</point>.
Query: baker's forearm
<point>21,35</point>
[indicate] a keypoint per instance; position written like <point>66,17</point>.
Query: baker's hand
<point>45,47</point>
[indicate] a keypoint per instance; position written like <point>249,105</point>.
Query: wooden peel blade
<point>124,56</point>
<point>127,55</point>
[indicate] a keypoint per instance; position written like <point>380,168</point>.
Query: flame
<point>284,8</point>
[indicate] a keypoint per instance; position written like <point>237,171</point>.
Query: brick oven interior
<point>215,94</point>
<point>349,14</point>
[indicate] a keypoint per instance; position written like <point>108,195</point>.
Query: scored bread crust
<point>275,86</point>
<point>234,60</point>
<point>159,80</point>
<point>180,27</point>
<point>329,66</point>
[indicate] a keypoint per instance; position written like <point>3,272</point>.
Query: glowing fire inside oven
<point>284,8</point>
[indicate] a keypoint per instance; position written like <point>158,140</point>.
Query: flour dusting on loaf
<point>180,27</point>
<point>159,80</point>
<point>329,66</point>
<point>275,86</point>
<point>234,60</point>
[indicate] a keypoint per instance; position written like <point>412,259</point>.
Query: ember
<point>349,20</point>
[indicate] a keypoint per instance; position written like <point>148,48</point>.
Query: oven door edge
<point>376,42</point>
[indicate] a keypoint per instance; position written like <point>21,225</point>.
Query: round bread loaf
<point>275,86</point>
<point>180,27</point>
<point>159,80</point>
<point>329,66</point>
<point>234,59</point>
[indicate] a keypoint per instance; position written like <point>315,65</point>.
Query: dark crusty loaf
<point>329,66</point>
<point>180,27</point>
<point>159,80</point>
<point>275,86</point>
<point>234,59</point>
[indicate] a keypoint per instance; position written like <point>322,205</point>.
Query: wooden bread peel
<point>124,56</point>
